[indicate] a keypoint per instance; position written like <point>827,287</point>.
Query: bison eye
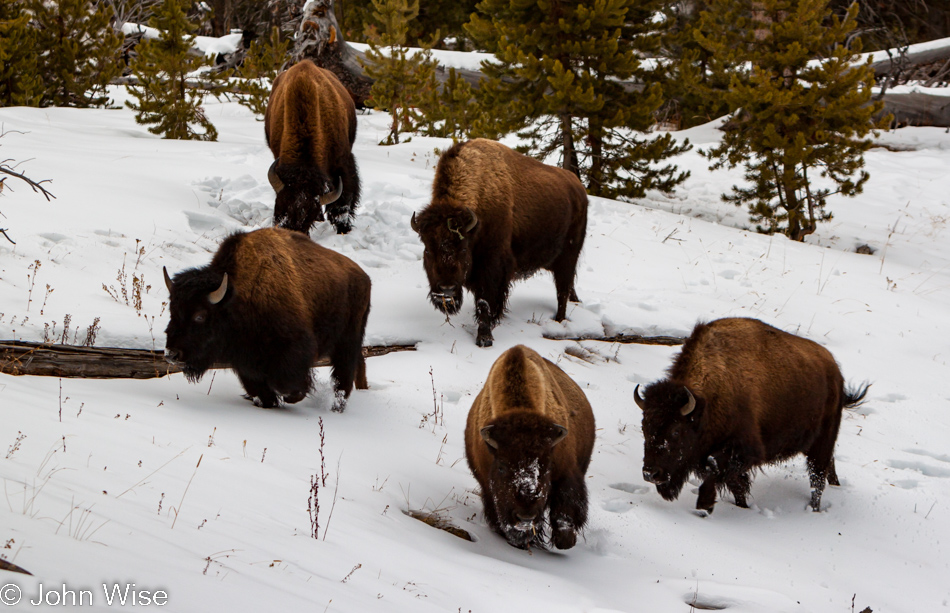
<point>199,318</point>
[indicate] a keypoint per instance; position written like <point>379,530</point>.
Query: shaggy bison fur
<point>740,395</point>
<point>269,303</point>
<point>497,216</point>
<point>528,441</point>
<point>310,125</point>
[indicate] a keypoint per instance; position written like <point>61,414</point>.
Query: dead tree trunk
<point>23,358</point>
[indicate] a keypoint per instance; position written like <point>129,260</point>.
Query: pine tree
<point>81,52</point>
<point>162,68</point>
<point>695,93</point>
<point>563,76</point>
<point>401,79</point>
<point>801,112</point>
<point>259,69</point>
<point>20,80</point>
<point>448,111</point>
<point>437,21</point>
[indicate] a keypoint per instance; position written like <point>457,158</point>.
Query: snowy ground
<point>191,490</point>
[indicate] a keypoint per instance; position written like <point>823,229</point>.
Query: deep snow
<point>111,492</point>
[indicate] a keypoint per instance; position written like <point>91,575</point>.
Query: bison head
<point>197,329</point>
<point>671,433</point>
<point>520,477</point>
<point>446,233</point>
<point>302,192</point>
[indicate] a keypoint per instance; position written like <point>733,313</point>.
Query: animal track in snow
<point>929,454</point>
<point>618,505</point>
<point>929,471</point>
<point>630,488</point>
<point>243,199</point>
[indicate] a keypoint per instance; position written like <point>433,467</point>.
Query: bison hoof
<point>703,512</point>
<point>564,539</point>
<point>339,401</point>
<point>484,341</point>
<point>295,397</point>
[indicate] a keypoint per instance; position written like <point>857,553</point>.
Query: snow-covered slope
<point>192,490</point>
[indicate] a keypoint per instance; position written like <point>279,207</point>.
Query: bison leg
<point>345,362</point>
<point>484,319</point>
<point>258,391</point>
<point>563,270</point>
<point>740,485</point>
<point>568,503</point>
<point>832,474</point>
<point>342,212</point>
<point>821,464</point>
<point>707,495</point>
<point>491,295</point>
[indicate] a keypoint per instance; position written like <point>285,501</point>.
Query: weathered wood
<point>908,61</point>
<point>918,109</point>
<point>25,358</point>
<point>670,341</point>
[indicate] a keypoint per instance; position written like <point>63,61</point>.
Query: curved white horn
<point>168,280</point>
<point>218,295</point>
<point>687,408</point>
<point>275,181</point>
<point>334,195</point>
<point>474,220</point>
<point>486,436</point>
<point>639,399</point>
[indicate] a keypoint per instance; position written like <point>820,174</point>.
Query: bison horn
<point>218,295</point>
<point>275,181</point>
<point>472,221</point>
<point>168,281</point>
<point>639,399</point>
<point>334,195</point>
<point>690,404</point>
<point>486,436</point>
<point>561,434</point>
<point>414,224</point>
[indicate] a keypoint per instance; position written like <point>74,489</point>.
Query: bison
<point>742,394</point>
<point>497,216</point>
<point>268,304</point>
<point>310,125</point>
<point>528,441</point>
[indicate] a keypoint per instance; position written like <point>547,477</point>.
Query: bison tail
<point>854,396</point>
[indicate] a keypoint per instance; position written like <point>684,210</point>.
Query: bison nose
<point>447,289</point>
<point>526,517</point>
<point>650,475</point>
<point>172,355</point>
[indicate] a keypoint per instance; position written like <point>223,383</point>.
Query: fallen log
<point>48,360</point>
<point>917,109</point>
<point>670,341</point>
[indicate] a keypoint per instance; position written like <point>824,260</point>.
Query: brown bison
<point>528,441</point>
<point>742,394</point>
<point>268,304</point>
<point>310,125</point>
<point>497,216</point>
